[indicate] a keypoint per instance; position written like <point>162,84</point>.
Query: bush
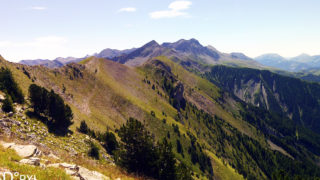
<point>9,86</point>
<point>179,147</point>
<point>7,104</point>
<point>94,151</point>
<point>83,127</point>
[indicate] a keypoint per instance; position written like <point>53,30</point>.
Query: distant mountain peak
<point>152,43</point>
<point>239,55</point>
<point>183,45</point>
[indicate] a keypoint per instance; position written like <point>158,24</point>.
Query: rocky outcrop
<point>31,161</point>
<point>78,172</point>
<point>24,151</point>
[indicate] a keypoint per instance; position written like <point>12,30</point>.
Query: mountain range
<point>302,62</point>
<point>190,51</point>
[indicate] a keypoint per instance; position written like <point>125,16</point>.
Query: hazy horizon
<point>46,29</point>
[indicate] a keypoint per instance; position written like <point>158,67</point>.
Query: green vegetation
<point>52,106</point>
<point>94,151</point>
<point>283,95</point>
<point>9,86</point>
<point>84,127</point>
<point>8,160</point>
<point>139,154</point>
<point>110,142</point>
<point>7,105</point>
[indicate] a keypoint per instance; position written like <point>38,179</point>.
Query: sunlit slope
<point>105,94</point>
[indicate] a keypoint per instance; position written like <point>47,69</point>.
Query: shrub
<point>94,151</point>
<point>7,104</point>
<point>179,147</point>
<point>83,127</point>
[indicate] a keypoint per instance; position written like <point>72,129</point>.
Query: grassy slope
<point>109,93</point>
<point>9,160</point>
<point>208,90</point>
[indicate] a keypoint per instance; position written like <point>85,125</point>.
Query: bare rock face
<point>31,161</point>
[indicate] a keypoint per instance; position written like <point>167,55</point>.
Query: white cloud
<point>180,5</point>
<point>47,41</point>
<point>128,9</point>
<point>39,8</point>
<point>175,9</point>
<point>48,47</point>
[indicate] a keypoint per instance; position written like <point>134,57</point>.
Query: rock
<point>56,165</point>
<point>53,156</point>
<point>10,114</point>
<point>2,98</point>
<point>69,166</point>
<point>6,145</point>
<point>6,122</point>
<point>71,172</point>
<point>43,166</point>
<point>91,175</point>
<point>32,161</point>
<point>25,151</point>
<point>78,172</point>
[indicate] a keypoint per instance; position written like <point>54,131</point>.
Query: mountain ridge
<point>187,50</point>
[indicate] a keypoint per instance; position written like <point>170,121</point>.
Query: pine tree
<point>166,165</point>
<point>111,143</point>
<point>7,105</point>
<point>83,127</point>
<point>9,86</point>
<point>138,153</point>
<point>94,151</point>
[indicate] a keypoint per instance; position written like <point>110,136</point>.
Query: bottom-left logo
<point>16,175</point>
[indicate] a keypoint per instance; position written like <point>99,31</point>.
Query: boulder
<point>32,161</point>
<point>24,151</point>
<point>91,175</point>
<point>2,98</point>
<point>10,114</point>
<point>6,145</point>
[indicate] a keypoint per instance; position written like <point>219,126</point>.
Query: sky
<point>46,29</point>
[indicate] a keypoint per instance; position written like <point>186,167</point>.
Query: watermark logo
<point>16,175</point>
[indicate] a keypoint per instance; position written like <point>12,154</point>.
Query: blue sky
<point>33,29</point>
